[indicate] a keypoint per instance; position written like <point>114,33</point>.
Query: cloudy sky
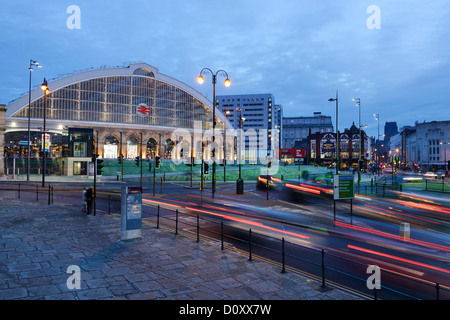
<point>396,58</point>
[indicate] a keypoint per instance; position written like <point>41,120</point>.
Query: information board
<point>343,187</point>
<point>131,213</point>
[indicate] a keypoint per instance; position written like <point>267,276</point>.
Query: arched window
<point>199,149</point>
<point>168,146</point>
<point>152,148</point>
<point>111,148</point>
<point>132,148</point>
<point>143,72</point>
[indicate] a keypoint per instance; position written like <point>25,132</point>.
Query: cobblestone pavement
<point>39,242</point>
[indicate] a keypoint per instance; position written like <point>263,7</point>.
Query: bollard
<point>52,193</point>
<point>157,219</point>
<point>18,194</point>
<point>250,244</point>
<point>176,222</point>
<point>283,256</point>
<point>221,235</point>
<point>437,290</point>
<point>37,193</point>
<point>323,268</point>
<point>198,228</point>
<point>49,189</point>
<point>405,231</point>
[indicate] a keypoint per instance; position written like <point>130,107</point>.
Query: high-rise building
<point>262,123</point>
<point>390,129</point>
<point>299,128</point>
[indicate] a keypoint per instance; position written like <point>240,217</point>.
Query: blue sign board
<point>131,213</point>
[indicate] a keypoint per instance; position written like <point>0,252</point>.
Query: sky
<point>392,54</point>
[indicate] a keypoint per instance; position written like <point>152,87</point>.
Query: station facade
<point>110,111</point>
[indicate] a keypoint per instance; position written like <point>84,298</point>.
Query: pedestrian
<point>89,198</point>
<point>84,205</point>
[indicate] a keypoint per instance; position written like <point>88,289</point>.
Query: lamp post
<point>46,90</point>
<point>227,83</point>
<point>358,104</point>
<point>337,131</point>
<point>33,63</point>
<point>377,117</point>
<point>240,182</point>
<point>445,154</point>
<point>225,145</point>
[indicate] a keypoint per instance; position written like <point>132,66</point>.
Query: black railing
<point>245,240</point>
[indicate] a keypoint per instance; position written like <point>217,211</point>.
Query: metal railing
<point>282,250</point>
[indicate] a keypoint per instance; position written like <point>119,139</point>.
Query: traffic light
<point>149,164</point>
<point>269,164</point>
<point>94,157</point>
<point>99,167</point>
<point>396,162</point>
<point>119,159</point>
<point>137,160</point>
<point>361,165</point>
<point>157,161</point>
<point>206,168</point>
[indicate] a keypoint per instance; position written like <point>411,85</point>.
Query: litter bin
<point>118,176</point>
<point>239,186</point>
<point>404,230</point>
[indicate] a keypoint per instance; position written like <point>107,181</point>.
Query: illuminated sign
<point>143,109</point>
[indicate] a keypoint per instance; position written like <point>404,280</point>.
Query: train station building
<point>110,111</point>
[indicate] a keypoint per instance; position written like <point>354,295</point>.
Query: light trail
<point>424,206</point>
<point>388,235</point>
<point>402,214</point>
<point>248,222</point>
<point>389,256</point>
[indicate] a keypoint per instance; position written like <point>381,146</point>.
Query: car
<point>440,174</point>
<point>430,175</point>
<point>261,182</point>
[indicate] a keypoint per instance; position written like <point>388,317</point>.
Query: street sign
<point>46,142</point>
<point>343,187</point>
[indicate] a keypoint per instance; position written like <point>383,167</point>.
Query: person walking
<point>84,205</point>
<point>89,199</point>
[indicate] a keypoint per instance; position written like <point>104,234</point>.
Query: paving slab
<point>39,242</point>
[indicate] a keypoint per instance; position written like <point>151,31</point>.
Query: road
<point>317,243</point>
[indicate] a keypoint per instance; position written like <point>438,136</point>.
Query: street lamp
<point>227,83</point>
<point>33,63</point>
<point>225,145</point>
<point>445,154</point>
<point>377,117</point>
<point>240,182</point>
<point>46,90</point>
<point>358,104</point>
<point>337,131</point>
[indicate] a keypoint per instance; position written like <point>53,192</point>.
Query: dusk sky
<point>396,59</point>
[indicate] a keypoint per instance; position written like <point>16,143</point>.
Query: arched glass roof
<point>137,98</point>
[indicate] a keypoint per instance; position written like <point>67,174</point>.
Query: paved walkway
<point>39,242</point>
